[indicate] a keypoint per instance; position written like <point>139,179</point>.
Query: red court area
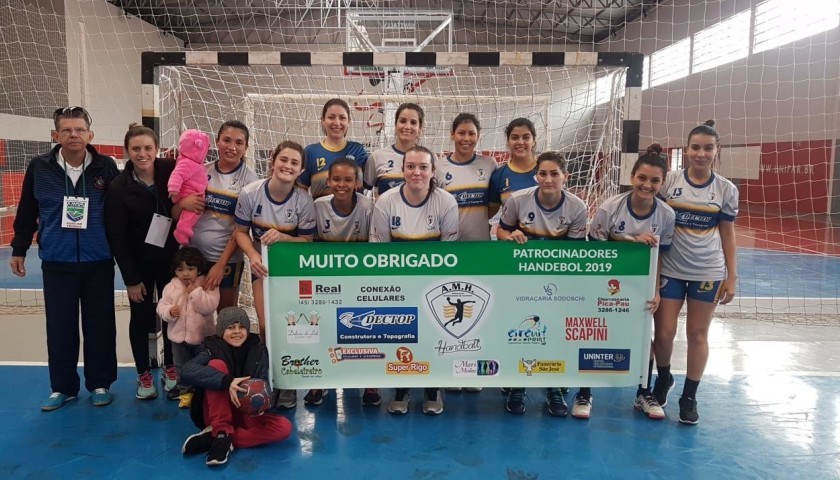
<point>788,234</point>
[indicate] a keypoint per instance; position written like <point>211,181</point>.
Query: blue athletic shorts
<point>676,289</point>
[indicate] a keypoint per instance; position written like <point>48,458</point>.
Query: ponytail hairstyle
<point>521,122</point>
<point>426,151</point>
<point>555,157</point>
<point>465,118</point>
<point>237,125</point>
<point>288,144</point>
<point>136,130</point>
<point>346,162</point>
<point>654,157</point>
<point>708,128</point>
<point>410,106</point>
<point>335,101</point>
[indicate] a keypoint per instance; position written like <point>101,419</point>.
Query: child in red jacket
<point>227,359</point>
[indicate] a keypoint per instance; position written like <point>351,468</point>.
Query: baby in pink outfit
<point>189,178</point>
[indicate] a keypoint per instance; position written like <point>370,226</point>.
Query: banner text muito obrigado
<point>449,260</point>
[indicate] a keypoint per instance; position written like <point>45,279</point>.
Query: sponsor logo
<point>75,210</point>
<point>377,325</point>
<point>458,306</point>
<point>472,345</point>
<point>220,204</point>
<point>469,198</point>
<point>549,293</point>
<point>380,293</point>
<point>475,368</point>
<point>587,329</point>
<point>604,360</point>
<point>306,367</point>
<point>530,331</point>
<point>533,366</point>
<point>611,304</point>
<point>339,354</point>
<point>405,364</point>
<point>307,289</point>
<point>694,220</point>
<point>302,328</point>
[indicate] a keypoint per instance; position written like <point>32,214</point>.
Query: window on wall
<point>723,43</point>
<point>646,74</point>
<point>778,22</point>
<point>606,85</point>
<point>676,159</point>
<point>671,63</point>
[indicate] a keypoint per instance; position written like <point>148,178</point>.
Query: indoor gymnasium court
<point>600,80</point>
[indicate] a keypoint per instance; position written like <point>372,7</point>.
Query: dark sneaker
<point>646,402</point>
<point>556,402</point>
<point>433,402</point>
<point>515,402</point>
<point>399,404</point>
<point>661,390</point>
<point>314,397</point>
<point>220,449</point>
<point>174,394</point>
<point>688,411</point>
<point>198,442</point>
<point>371,397</point>
<point>582,407</point>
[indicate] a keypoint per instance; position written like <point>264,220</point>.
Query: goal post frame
<point>632,102</point>
<point>633,62</point>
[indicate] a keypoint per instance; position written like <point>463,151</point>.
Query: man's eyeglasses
<point>69,131</point>
<point>73,112</point>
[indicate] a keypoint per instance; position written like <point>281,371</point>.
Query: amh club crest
<point>458,306</point>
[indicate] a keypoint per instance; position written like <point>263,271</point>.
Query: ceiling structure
<point>323,24</point>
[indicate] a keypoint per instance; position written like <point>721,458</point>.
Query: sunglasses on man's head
<point>73,112</point>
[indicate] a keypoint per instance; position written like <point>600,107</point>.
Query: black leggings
<point>144,319</point>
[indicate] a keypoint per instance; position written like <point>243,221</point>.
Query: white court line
<point>15,363</point>
<point>743,373</point>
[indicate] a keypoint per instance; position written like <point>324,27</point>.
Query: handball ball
<point>256,398</point>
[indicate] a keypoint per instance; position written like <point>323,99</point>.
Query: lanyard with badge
<point>161,224</point>
<point>74,214</point>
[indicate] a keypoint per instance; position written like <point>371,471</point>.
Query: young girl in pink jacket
<point>188,309</point>
<point>188,178</point>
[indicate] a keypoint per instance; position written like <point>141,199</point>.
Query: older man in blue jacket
<point>62,198</point>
